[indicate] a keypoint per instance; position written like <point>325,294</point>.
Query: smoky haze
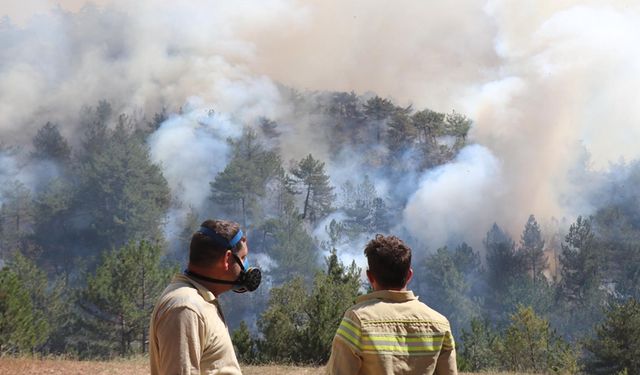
<point>549,85</point>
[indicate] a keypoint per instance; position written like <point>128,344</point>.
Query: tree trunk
<point>143,344</point>
<point>306,201</point>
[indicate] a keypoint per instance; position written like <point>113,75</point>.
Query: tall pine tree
<point>314,185</point>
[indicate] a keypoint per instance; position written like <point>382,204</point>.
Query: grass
<point>135,366</point>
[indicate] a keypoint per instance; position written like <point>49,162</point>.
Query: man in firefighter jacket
<point>389,331</point>
<point>188,332</point>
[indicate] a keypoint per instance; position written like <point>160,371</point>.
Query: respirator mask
<point>249,278</point>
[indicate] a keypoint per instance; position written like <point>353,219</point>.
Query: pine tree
<point>48,143</point>
<point>121,193</point>
<point>292,248</point>
<point>503,263</point>
<point>314,184</point>
<point>298,326</point>
<point>447,280</point>
<point>119,298</point>
<point>22,328</point>
<point>480,347</point>
<point>16,216</point>
<point>55,226</point>
<point>377,111</point>
<point>430,125</point>
<point>244,344</point>
<point>244,180</point>
<point>361,205</point>
<point>532,249</point>
<point>530,344</point>
<point>581,261</point>
<point>615,346</point>
<point>282,322</point>
<point>458,125</point>
<point>401,132</point>
<point>333,292</point>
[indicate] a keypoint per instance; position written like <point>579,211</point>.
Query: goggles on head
<point>249,278</point>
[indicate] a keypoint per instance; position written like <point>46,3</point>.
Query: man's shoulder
<point>429,312</point>
<point>371,309</point>
<point>180,295</point>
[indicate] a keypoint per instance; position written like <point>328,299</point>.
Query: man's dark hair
<point>205,251</point>
<point>389,260</point>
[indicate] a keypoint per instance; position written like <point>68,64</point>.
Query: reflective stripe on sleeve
<point>448,343</point>
<point>349,332</point>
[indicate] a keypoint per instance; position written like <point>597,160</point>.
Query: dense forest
<point>93,227</point>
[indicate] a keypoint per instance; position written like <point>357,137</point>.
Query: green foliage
<point>580,290</point>
<point>298,326</point>
<point>16,216</point>
<point>282,322</point>
<point>244,344</point>
<point>292,248</point>
<point>479,347</point>
<point>581,261</point>
<point>366,212</point>
<point>617,225</point>
<point>49,144</point>
<point>119,298</point>
<point>401,132</point>
<point>22,327</point>
<point>458,125</point>
<point>313,183</point>
<point>532,250</point>
<point>54,229</point>
<point>504,267</point>
<point>616,345</point>
<point>377,110</point>
<point>333,292</point>
<point>447,280</point>
<point>122,194</point>
<point>529,344</point>
<point>243,181</point>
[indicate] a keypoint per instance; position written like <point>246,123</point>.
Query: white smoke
<point>452,200</point>
<point>545,82</point>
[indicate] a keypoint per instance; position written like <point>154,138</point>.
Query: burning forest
<point>496,138</point>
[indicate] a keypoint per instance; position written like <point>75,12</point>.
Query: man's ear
<point>409,276</point>
<point>227,260</point>
<point>370,277</point>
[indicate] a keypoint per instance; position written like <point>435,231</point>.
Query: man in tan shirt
<point>389,331</point>
<point>188,333</point>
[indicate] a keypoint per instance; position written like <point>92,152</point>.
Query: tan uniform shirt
<point>391,332</point>
<point>188,334</point>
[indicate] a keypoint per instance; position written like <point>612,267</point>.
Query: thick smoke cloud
<point>451,200</point>
<point>550,87</point>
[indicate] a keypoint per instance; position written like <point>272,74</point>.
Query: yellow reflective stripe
<point>405,339</point>
<point>346,336</point>
<point>403,344</point>
<point>403,349</point>
<point>448,341</point>
<point>350,332</point>
<point>351,325</point>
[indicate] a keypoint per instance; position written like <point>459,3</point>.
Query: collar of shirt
<point>389,295</point>
<point>202,290</point>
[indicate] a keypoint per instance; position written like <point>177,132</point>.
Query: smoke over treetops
<point>550,87</point>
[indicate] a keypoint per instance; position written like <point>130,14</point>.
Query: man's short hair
<point>389,260</point>
<point>204,251</point>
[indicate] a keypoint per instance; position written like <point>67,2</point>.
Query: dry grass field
<point>136,366</point>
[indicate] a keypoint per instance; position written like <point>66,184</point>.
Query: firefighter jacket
<point>391,332</point>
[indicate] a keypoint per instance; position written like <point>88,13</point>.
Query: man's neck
<point>214,288</point>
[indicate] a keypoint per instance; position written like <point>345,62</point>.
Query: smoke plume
<point>550,86</point>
